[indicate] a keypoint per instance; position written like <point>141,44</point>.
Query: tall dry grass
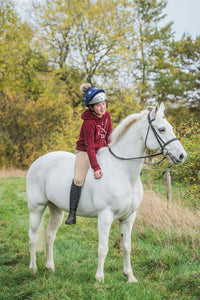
<point>158,213</point>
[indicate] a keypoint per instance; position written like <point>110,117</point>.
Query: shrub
<point>189,137</point>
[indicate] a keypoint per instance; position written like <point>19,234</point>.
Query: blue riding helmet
<point>94,95</point>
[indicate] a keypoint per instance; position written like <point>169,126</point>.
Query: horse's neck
<point>132,145</point>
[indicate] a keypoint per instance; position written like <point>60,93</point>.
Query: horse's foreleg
<point>105,219</point>
<point>55,220</point>
<point>35,217</point>
<point>125,229</point>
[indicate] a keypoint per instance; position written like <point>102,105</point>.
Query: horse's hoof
<point>100,278</point>
<point>33,269</point>
<point>50,268</point>
<point>132,280</point>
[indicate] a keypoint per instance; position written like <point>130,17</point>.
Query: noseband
<point>162,144</point>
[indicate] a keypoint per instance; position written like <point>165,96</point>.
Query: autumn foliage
<point>132,56</point>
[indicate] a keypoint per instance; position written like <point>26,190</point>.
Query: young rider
<point>95,134</point>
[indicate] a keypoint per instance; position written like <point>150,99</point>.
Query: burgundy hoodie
<point>95,134</point>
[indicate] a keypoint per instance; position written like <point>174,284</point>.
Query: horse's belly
<point>120,198</point>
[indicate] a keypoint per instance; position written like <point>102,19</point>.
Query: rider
<point>95,133</point>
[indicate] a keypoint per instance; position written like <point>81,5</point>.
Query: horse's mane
<point>124,125</point>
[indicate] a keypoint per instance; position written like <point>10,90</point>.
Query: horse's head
<point>160,136</point>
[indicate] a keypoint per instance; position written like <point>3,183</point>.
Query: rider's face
<point>100,108</point>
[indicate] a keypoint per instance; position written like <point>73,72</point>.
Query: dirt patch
<point>12,173</point>
<point>156,211</point>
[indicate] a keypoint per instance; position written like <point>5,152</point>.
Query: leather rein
<point>162,144</point>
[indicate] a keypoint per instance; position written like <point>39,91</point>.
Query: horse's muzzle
<point>178,160</point>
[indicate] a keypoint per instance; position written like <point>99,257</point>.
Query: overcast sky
<point>184,13</point>
<point>186,16</point>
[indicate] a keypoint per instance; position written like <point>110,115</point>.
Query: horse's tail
<point>40,243</point>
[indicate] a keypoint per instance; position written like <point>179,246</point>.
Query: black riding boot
<point>74,199</point>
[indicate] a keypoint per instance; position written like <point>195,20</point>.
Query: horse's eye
<point>162,129</point>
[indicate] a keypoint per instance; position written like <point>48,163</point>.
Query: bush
<point>29,129</point>
<point>189,137</point>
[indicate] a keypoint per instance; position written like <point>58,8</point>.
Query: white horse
<point>117,195</point>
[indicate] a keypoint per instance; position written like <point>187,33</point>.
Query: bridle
<point>162,144</point>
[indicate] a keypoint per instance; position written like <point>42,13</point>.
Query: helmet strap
<point>91,107</point>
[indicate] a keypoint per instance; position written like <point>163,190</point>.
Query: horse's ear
<point>156,108</point>
<point>162,107</point>
<point>154,111</point>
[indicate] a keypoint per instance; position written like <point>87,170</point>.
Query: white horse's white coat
<point>116,195</point>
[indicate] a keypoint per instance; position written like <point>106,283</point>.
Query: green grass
<point>165,262</point>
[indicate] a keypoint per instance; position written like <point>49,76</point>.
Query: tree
<point>102,39</point>
<point>179,81</point>
<point>19,60</point>
<point>151,45</point>
<point>57,21</point>
<point>90,35</point>
<point>186,53</point>
<point>72,79</point>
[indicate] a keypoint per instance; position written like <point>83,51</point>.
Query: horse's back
<point>48,163</point>
<point>47,174</point>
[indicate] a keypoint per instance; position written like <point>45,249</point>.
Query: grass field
<point>165,254</point>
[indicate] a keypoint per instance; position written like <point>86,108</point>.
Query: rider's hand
<point>98,174</point>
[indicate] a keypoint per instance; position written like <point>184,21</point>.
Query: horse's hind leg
<point>55,220</point>
<point>125,229</point>
<point>35,216</point>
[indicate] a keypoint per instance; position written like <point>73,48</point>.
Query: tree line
<point>124,46</point>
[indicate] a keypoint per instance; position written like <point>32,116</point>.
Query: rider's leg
<point>81,167</point>
<point>75,193</point>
